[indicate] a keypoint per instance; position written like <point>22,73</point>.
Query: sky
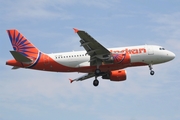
<point>29,94</point>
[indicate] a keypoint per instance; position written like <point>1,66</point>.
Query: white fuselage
<point>147,54</point>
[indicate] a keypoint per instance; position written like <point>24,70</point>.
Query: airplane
<point>96,61</point>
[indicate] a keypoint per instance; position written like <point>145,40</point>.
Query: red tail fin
<point>22,45</point>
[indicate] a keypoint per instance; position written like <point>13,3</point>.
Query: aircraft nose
<point>171,55</point>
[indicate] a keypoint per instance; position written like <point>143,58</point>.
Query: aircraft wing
<point>97,52</point>
<point>86,76</point>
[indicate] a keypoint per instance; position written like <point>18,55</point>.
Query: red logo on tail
<point>22,45</point>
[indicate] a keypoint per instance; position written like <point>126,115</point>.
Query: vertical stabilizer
<point>22,45</point>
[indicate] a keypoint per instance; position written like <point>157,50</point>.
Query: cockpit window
<point>161,48</point>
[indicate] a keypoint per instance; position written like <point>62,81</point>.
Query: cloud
<point>101,3</point>
<point>40,87</point>
<point>34,9</point>
<point>45,9</point>
<point>174,44</point>
<point>167,25</point>
<point>136,117</point>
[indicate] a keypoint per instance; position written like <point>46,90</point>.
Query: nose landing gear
<point>95,82</point>
<point>151,71</point>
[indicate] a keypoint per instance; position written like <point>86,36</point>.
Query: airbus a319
<point>96,61</point>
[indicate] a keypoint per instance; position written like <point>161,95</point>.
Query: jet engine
<point>116,75</point>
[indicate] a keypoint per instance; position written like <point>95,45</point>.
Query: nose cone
<point>171,55</point>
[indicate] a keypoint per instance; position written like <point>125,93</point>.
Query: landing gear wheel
<point>152,72</point>
<point>96,83</point>
<point>97,72</point>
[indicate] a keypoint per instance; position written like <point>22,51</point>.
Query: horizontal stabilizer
<point>19,57</point>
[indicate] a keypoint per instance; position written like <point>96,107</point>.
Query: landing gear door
<point>150,50</point>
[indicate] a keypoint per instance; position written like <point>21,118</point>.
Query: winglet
<point>71,80</point>
<point>75,30</point>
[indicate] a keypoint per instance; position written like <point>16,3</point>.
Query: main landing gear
<point>97,73</point>
<point>151,71</point>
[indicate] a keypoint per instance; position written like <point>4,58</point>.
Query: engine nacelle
<point>116,75</point>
